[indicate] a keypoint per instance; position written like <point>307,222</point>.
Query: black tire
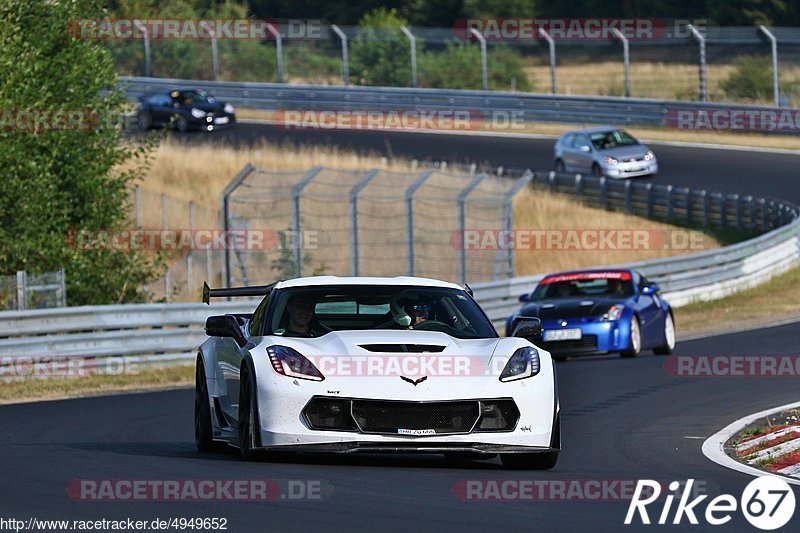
<point>597,171</point>
<point>249,439</point>
<point>634,344</point>
<point>181,124</point>
<point>203,430</point>
<point>669,342</point>
<point>558,357</point>
<point>560,166</point>
<point>144,120</point>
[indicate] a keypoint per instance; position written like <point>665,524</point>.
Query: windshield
<point>590,284</point>
<point>193,97</point>
<point>606,140</point>
<point>315,311</point>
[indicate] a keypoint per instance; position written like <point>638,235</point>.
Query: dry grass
<point>776,299</point>
<point>537,210</point>
<point>47,389</point>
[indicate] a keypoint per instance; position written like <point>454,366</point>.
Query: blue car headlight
<point>198,113</point>
<point>523,364</point>
<point>613,314</point>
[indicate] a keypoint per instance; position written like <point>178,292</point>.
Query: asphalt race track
<point>622,419</point>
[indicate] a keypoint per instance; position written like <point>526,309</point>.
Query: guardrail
<point>170,333</point>
<point>532,107</point>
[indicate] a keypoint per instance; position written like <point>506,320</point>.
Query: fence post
<point>649,200</point>
<point>551,44</point>
<point>278,50</point>
<point>689,194</point>
<point>484,74</point>
<point>603,193</point>
<point>227,219</point>
<point>508,220</point>
<point>706,209</point>
<point>167,276</point>
<point>701,43</point>
<point>22,283</point>
<point>214,54</point>
<point>723,211</point>
<point>409,194</point>
<point>626,59</point>
<point>146,39</point>
<point>628,197</point>
<point>552,180</point>
<point>739,223</point>
<point>578,187</point>
<point>670,202</point>
<point>413,43</point>
<point>462,221</point>
<point>752,204</point>
<point>189,258</point>
<point>345,59</point>
<point>353,199</point>
<point>62,279</point>
<point>297,190</point>
<point>774,43</point>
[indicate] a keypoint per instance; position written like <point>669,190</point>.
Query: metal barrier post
<point>345,59</point>
<point>214,53</point>
<point>551,44</point>
<point>146,39</point>
<point>409,194</point>
<point>774,43</point>
<point>649,200</point>
<point>739,223</point>
<point>626,59</point>
<point>701,43</point>
<point>353,197</point>
<point>297,190</point>
<point>603,192</point>
<point>484,74</point>
<point>227,220</point>
<point>462,221</point>
<point>278,49</point>
<point>413,43</point>
<point>22,297</point>
<point>706,209</point>
<point>689,198</point>
<point>508,219</point>
<point>628,197</point>
<point>578,187</point>
<point>670,203</point>
<point>167,276</point>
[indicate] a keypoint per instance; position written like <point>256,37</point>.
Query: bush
<point>752,78</point>
<point>56,181</point>
<point>380,51</point>
<point>459,67</point>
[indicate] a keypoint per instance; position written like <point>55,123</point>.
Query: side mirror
<point>526,327</point>
<point>225,326</point>
<point>523,298</point>
<point>586,148</point>
<point>650,288</point>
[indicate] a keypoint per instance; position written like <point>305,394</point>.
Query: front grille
<point>439,417</point>
<point>586,344</point>
<point>388,417</point>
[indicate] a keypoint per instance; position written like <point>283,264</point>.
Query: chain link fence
<point>23,291</point>
<point>684,63</point>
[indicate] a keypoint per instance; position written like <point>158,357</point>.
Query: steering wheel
<point>432,325</point>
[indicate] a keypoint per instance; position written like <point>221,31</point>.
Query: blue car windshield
<point>584,286</point>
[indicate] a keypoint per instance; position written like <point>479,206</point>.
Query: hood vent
<point>399,348</point>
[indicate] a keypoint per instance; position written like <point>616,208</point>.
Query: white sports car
<point>332,364</point>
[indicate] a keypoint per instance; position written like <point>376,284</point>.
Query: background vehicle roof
<point>595,129</point>
<point>316,281</point>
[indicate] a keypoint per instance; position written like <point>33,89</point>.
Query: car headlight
<point>613,314</point>
<point>649,155</point>
<point>523,364</point>
<point>291,363</point>
<point>610,160</point>
<point>198,113</point>
<point>229,109</point>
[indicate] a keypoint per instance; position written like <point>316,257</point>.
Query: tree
<point>57,180</point>
<point>380,51</point>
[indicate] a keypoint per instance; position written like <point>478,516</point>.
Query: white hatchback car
<point>604,151</point>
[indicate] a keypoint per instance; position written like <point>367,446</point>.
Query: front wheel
<point>144,120</point>
<point>249,441</point>
<point>203,432</point>
<point>597,172</point>
<point>635,340</point>
<point>560,166</point>
<point>669,337</point>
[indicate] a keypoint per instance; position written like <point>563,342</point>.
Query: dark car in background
<point>600,311</point>
<point>184,109</point>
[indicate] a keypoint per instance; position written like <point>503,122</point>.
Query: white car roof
<point>316,281</point>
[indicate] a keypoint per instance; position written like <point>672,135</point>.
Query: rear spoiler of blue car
<point>234,292</point>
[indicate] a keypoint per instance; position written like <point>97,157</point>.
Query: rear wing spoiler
<point>232,292</point>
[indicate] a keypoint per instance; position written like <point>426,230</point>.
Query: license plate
<point>221,120</point>
<point>416,431</point>
<point>563,334</point>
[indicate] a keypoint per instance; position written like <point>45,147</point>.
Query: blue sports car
<point>600,311</point>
